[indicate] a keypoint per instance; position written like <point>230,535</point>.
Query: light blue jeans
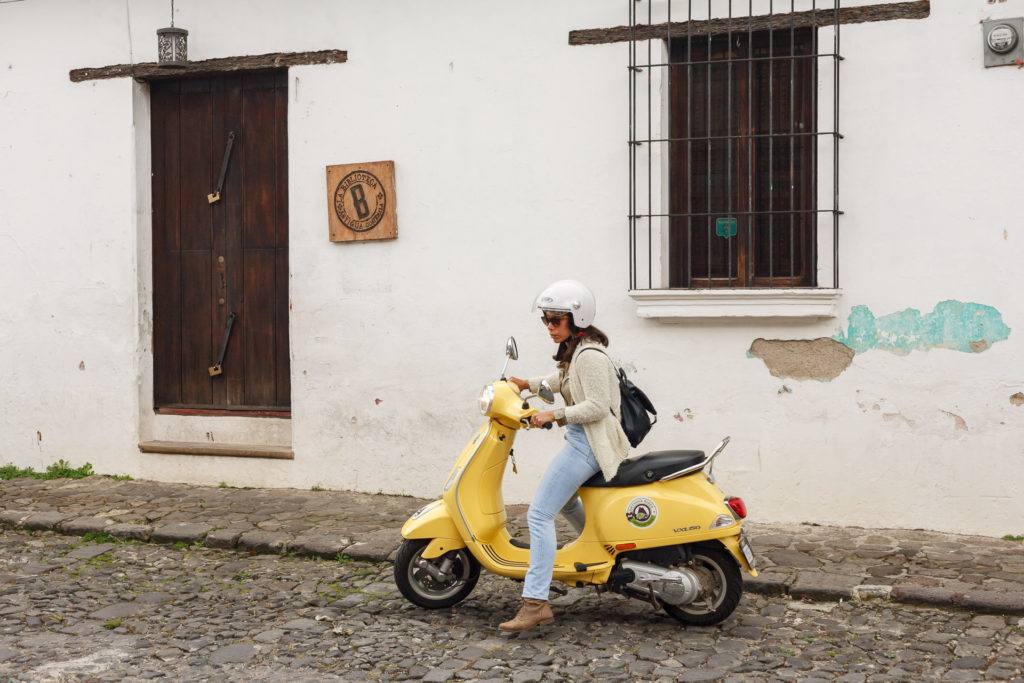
<point>573,465</point>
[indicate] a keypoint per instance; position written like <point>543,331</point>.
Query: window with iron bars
<point>734,141</point>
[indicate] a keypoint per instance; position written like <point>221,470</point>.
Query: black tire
<point>720,570</point>
<point>421,589</point>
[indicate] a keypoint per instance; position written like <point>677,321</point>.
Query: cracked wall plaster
<point>822,359</point>
<point>962,326</point>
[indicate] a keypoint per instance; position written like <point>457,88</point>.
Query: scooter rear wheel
<point>420,588</point>
<point>724,584</point>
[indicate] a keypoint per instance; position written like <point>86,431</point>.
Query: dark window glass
<point>743,160</point>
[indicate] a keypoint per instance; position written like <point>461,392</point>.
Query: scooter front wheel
<point>435,583</point>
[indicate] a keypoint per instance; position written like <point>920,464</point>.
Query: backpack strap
<point>594,348</point>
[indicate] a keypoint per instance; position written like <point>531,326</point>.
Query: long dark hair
<point>567,348</point>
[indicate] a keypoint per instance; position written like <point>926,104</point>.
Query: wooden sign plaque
<point>361,201</point>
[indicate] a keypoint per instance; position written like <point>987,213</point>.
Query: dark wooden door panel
<point>259,215</point>
<point>212,260</point>
<point>229,283</point>
<point>260,376</point>
<point>166,269</point>
<point>195,172</point>
<point>196,328</point>
<point>282,361</point>
<point>281,169</point>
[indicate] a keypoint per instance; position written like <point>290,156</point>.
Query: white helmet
<point>569,296</point>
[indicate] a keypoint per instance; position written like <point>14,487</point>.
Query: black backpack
<point>635,406</point>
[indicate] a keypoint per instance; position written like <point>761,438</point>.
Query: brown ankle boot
<point>532,613</point>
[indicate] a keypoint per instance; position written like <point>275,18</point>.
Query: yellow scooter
<point>660,531</point>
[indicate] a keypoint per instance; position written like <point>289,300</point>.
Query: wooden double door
<point>220,263</point>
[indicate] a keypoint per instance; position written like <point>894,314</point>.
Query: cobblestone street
<point>805,561</point>
<point>75,609</point>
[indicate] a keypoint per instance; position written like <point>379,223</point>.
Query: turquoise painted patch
<point>951,325</point>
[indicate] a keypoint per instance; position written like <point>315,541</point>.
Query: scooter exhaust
<point>678,587</point>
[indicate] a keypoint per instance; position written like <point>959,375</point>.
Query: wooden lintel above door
<point>152,71</point>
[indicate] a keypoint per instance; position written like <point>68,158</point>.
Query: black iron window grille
<point>733,144</point>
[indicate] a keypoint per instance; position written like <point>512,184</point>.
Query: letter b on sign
<point>359,202</point>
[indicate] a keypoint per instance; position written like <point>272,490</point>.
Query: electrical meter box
<point>1002,41</point>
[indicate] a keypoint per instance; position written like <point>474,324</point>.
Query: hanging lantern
<point>172,44</point>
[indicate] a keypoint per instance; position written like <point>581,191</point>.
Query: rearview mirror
<point>546,394</point>
<point>510,349</point>
<point>511,353</point>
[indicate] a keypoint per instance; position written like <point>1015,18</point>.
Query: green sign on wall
<point>725,227</point>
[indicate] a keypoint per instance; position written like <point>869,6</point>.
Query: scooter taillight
<point>737,506</point>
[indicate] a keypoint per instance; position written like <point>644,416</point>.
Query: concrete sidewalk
<point>804,561</point>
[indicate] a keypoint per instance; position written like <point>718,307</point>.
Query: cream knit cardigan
<point>593,386</point>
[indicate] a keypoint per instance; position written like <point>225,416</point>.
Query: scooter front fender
<point>439,546</point>
<point>430,521</point>
<point>433,521</point>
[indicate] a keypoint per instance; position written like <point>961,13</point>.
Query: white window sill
<point>677,305</point>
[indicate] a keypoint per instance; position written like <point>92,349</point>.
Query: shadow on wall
<point>960,326</point>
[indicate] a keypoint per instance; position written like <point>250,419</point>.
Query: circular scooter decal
<point>641,512</point>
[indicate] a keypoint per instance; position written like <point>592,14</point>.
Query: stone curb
<point>375,546</point>
<point>988,602</point>
<point>985,602</point>
<point>381,545</point>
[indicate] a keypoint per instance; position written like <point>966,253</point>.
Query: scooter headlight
<point>486,398</point>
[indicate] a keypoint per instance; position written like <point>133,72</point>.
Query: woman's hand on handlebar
<point>521,383</point>
<point>543,418</point>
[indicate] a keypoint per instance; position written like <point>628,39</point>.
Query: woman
<point>594,438</point>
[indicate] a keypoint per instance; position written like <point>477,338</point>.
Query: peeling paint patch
<point>962,326</point>
<point>899,418</point>
<point>958,422</point>
<point>1017,399</point>
<point>822,359</point>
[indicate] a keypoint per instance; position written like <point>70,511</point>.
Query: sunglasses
<point>553,320</point>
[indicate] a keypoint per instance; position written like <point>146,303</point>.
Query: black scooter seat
<point>648,468</point>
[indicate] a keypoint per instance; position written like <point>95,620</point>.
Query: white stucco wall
<point>511,172</point>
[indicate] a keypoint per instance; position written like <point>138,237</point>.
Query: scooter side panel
<point>676,511</point>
